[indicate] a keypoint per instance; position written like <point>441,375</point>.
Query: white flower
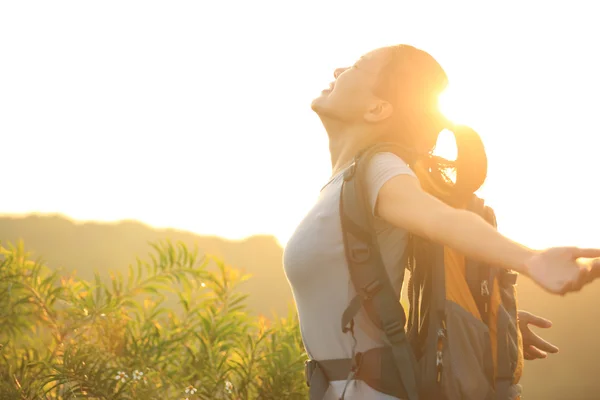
<point>137,375</point>
<point>122,376</point>
<point>229,386</point>
<point>190,390</point>
<point>203,284</point>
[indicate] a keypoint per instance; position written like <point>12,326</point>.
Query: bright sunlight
<point>135,101</point>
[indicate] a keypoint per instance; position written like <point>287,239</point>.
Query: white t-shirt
<point>316,268</point>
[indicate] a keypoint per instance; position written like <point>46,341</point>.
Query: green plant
<point>65,338</point>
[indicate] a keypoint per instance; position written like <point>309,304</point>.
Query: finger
<point>584,275</point>
<point>539,343</point>
<point>535,353</point>
<point>568,286</point>
<point>576,252</point>
<point>592,272</point>
<point>587,274</point>
<point>595,269</point>
<point>532,319</point>
<point>530,357</point>
<point>583,278</point>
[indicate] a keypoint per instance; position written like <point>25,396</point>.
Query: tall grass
<point>66,338</point>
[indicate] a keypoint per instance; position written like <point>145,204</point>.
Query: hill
<point>89,246</point>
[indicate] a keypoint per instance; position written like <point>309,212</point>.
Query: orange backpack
<point>463,322</point>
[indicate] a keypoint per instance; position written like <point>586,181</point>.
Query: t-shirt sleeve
<point>383,167</point>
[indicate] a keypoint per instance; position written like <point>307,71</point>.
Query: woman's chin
<point>320,103</point>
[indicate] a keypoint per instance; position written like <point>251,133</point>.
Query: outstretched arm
<point>402,202</point>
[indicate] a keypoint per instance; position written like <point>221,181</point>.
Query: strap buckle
<point>360,252</point>
<point>396,333</point>
<point>370,290</point>
<point>309,368</point>
<point>357,363</point>
<point>508,278</point>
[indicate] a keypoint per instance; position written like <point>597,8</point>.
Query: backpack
<point>462,340</point>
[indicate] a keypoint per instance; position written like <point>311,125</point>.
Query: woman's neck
<point>344,147</point>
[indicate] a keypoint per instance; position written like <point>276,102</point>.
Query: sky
<point>196,114</point>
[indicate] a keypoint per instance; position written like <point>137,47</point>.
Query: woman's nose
<point>338,71</point>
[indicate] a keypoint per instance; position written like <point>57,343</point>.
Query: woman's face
<point>350,96</point>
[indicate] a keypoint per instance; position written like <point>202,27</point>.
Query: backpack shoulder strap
<point>367,271</point>
<point>479,279</point>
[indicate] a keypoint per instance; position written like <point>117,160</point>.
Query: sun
<point>451,106</point>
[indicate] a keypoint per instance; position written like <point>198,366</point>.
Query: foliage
<point>66,338</point>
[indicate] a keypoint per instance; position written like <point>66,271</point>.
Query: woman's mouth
<point>330,88</point>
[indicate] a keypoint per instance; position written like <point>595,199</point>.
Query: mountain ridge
<point>88,246</point>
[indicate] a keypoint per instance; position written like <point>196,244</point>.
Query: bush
<point>65,338</point>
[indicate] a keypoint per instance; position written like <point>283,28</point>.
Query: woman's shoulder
<point>381,168</point>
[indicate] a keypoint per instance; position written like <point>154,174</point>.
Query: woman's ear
<point>378,111</point>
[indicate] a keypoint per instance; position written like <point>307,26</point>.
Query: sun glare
<point>446,146</point>
<point>453,108</point>
<point>450,105</point>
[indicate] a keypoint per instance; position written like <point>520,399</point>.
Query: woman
<point>390,95</point>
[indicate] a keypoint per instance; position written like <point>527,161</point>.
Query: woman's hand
<point>561,270</point>
<point>534,347</point>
